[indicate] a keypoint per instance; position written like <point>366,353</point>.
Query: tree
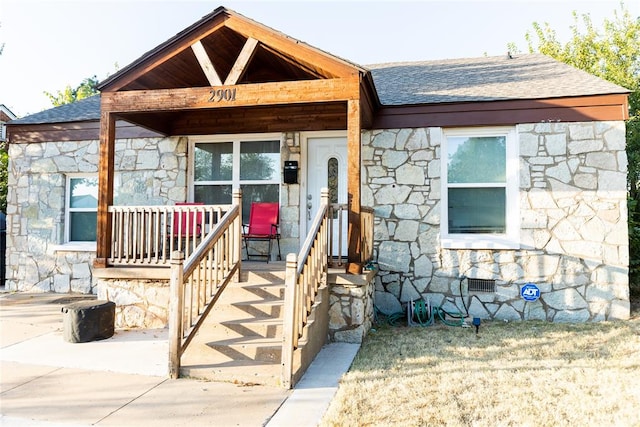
<point>612,53</point>
<point>68,95</point>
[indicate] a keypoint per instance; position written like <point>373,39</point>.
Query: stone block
<point>351,335</point>
<point>534,310</point>
<point>572,316</point>
<point>392,159</point>
<point>564,299</point>
<point>477,309</point>
<point>409,292</point>
<point>506,312</point>
<point>385,139</point>
<point>528,144</point>
<point>61,283</point>
<point>556,144</point>
<point>620,310</point>
<point>406,231</point>
<point>394,256</point>
<point>387,303</point>
<point>392,194</point>
<point>580,131</point>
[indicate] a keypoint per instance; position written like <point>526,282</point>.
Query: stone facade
<point>573,235</point>
<point>139,303</point>
<point>149,171</point>
<point>572,207</point>
<point>351,310</point>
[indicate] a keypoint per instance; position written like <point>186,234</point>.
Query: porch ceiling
<point>226,48</point>
<point>273,118</point>
<point>223,47</point>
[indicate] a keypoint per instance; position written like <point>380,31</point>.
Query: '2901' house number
<point>218,95</point>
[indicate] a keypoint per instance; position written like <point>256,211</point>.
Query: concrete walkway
<point>122,381</point>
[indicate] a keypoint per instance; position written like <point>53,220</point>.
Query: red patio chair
<point>187,223</point>
<point>186,230</point>
<point>263,226</point>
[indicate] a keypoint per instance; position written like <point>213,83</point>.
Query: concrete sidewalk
<point>122,381</point>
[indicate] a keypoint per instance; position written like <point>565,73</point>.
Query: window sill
<point>76,247</point>
<point>479,241</point>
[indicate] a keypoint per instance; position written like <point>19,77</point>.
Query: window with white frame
<point>250,164</point>
<point>480,188</point>
<point>81,208</point>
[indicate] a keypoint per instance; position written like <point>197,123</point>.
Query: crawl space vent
<point>481,285</point>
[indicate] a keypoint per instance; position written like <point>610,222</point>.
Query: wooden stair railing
<point>305,274</point>
<point>197,283</point>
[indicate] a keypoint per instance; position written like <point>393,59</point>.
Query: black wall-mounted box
<point>290,172</point>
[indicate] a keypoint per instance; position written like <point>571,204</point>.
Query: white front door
<point>327,167</point>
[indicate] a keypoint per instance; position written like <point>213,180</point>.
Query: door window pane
<point>477,210</point>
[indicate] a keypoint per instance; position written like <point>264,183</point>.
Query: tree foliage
<point>612,53</point>
<point>68,95</point>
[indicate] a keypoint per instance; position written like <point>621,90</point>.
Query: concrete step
<point>236,371</point>
<point>250,348</point>
<point>247,327</point>
<point>262,277</point>
<point>258,309</point>
<point>242,291</point>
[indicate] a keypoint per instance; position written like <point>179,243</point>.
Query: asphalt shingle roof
<point>531,76</point>
<point>85,109</point>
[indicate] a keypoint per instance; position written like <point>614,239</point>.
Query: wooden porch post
<point>105,187</point>
<point>353,184</point>
<point>237,239</point>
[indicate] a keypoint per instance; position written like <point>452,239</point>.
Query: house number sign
<point>218,95</point>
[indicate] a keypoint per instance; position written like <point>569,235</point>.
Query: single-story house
<point>498,184</point>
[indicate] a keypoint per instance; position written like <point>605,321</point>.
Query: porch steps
<point>241,339</point>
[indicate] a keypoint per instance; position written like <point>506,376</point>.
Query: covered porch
<point>228,75</point>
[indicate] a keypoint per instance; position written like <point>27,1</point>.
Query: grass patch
<point>511,374</point>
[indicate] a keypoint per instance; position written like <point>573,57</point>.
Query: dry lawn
<point>510,374</point>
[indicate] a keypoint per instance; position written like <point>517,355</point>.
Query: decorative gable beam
<point>206,64</point>
<point>238,69</point>
<point>272,93</point>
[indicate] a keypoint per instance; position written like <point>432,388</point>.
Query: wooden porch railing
<point>197,283</point>
<point>339,226</point>
<point>305,273</point>
<point>366,236</point>
<point>147,235</point>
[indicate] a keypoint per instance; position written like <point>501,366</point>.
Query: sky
<point>49,44</point>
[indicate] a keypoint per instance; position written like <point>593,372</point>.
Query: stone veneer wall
<point>150,171</point>
<point>573,237</point>
<point>351,310</point>
<point>139,303</point>
<point>290,198</point>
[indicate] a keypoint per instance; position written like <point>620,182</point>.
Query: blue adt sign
<point>530,292</point>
